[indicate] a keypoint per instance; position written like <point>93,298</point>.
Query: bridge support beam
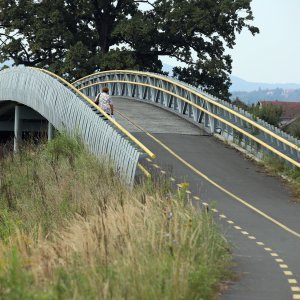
<point>50,131</point>
<point>17,129</point>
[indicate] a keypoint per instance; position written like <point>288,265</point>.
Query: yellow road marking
<point>283,266</point>
<point>288,273</point>
<point>296,297</point>
<point>274,254</point>
<point>292,281</point>
<point>295,288</point>
<point>213,182</point>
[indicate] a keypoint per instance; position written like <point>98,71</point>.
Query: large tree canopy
<point>76,38</point>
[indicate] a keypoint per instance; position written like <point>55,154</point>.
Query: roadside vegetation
<point>275,166</point>
<point>272,164</point>
<point>69,229</point>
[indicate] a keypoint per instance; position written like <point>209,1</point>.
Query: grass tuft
<point>70,229</point>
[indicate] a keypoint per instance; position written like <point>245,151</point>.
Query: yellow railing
<point>201,96</point>
<point>294,162</point>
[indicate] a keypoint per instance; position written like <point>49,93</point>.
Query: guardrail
<point>213,115</point>
<point>69,110</point>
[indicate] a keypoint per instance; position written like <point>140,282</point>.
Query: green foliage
<point>16,282</point>
<point>276,166</point>
<point>64,147</point>
<point>239,103</point>
<point>76,38</point>
<point>7,225</point>
<point>76,232</point>
<point>269,113</point>
<point>294,128</point>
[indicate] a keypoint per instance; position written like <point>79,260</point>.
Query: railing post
<point>50,131</point>
<point>17,129</point>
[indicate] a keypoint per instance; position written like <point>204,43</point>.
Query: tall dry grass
<point>71,230</point>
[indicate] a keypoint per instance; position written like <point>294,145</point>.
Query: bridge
<point>181,132</point>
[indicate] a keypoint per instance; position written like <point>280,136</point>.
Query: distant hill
<point>252,92</point>
<point>275,94</point>
<point>242,85</point>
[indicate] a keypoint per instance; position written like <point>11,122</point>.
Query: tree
<point>76,38</point>
<point>269,113</point>
<point>294,128</point>
<point>239,103</point>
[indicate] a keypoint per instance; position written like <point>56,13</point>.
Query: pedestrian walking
<point>104,101</point>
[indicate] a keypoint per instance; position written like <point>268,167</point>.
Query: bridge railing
<point>213,115</point>
<point>69,110</point>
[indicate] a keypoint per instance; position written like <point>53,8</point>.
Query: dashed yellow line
<point>288,273</point>
<point>283,266</point>
<point>292,281</point>
<point>222,216</point>
<point>239,199</point>
<point>280,261</point>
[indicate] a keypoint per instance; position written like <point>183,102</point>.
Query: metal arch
<point>213,115</point>
<point>68,111</point>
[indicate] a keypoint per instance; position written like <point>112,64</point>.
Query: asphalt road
<point>256,212</point>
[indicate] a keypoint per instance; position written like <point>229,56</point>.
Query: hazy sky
<point>273,55</point>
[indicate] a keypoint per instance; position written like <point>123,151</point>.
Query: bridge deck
<point>153,118</point>
<point>262,277</point>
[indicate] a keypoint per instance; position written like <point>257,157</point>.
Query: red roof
<point>291,110</point>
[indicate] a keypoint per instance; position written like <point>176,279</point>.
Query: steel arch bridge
<point>68,107</point>
<point>215,116</point>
